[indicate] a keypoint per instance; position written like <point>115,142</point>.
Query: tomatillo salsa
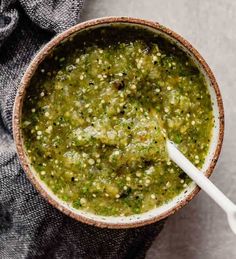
<point>98,110</point>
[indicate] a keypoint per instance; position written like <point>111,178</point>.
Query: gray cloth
<point>29,226</point>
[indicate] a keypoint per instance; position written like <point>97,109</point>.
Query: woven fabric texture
<point>29,226</point>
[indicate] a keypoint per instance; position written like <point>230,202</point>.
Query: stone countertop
<point>199,230</point>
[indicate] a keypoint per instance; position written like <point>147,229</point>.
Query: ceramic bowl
<point>166,209</point>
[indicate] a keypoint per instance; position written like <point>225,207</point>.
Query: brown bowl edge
<point>25,82</point>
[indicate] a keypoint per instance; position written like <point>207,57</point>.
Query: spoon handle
<point>199,178</point>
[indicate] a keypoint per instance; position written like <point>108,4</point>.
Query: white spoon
<point>204,183</point>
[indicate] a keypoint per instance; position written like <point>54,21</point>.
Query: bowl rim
<point>45,51</point>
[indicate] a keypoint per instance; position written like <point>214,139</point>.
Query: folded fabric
<point>29,226</point>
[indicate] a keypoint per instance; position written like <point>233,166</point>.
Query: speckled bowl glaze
<point>157,213</point>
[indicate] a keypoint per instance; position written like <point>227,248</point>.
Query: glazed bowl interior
<point>167,208</point>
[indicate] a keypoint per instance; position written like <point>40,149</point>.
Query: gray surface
<point>200,229</point>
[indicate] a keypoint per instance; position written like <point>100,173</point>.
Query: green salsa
<point>97,114</point>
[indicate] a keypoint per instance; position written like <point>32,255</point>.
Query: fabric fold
<point>53,15</point>
<point>8,23</point>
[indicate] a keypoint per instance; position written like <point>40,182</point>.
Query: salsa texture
<point>97,113</point>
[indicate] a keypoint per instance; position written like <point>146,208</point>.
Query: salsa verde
<point>98,111</point>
